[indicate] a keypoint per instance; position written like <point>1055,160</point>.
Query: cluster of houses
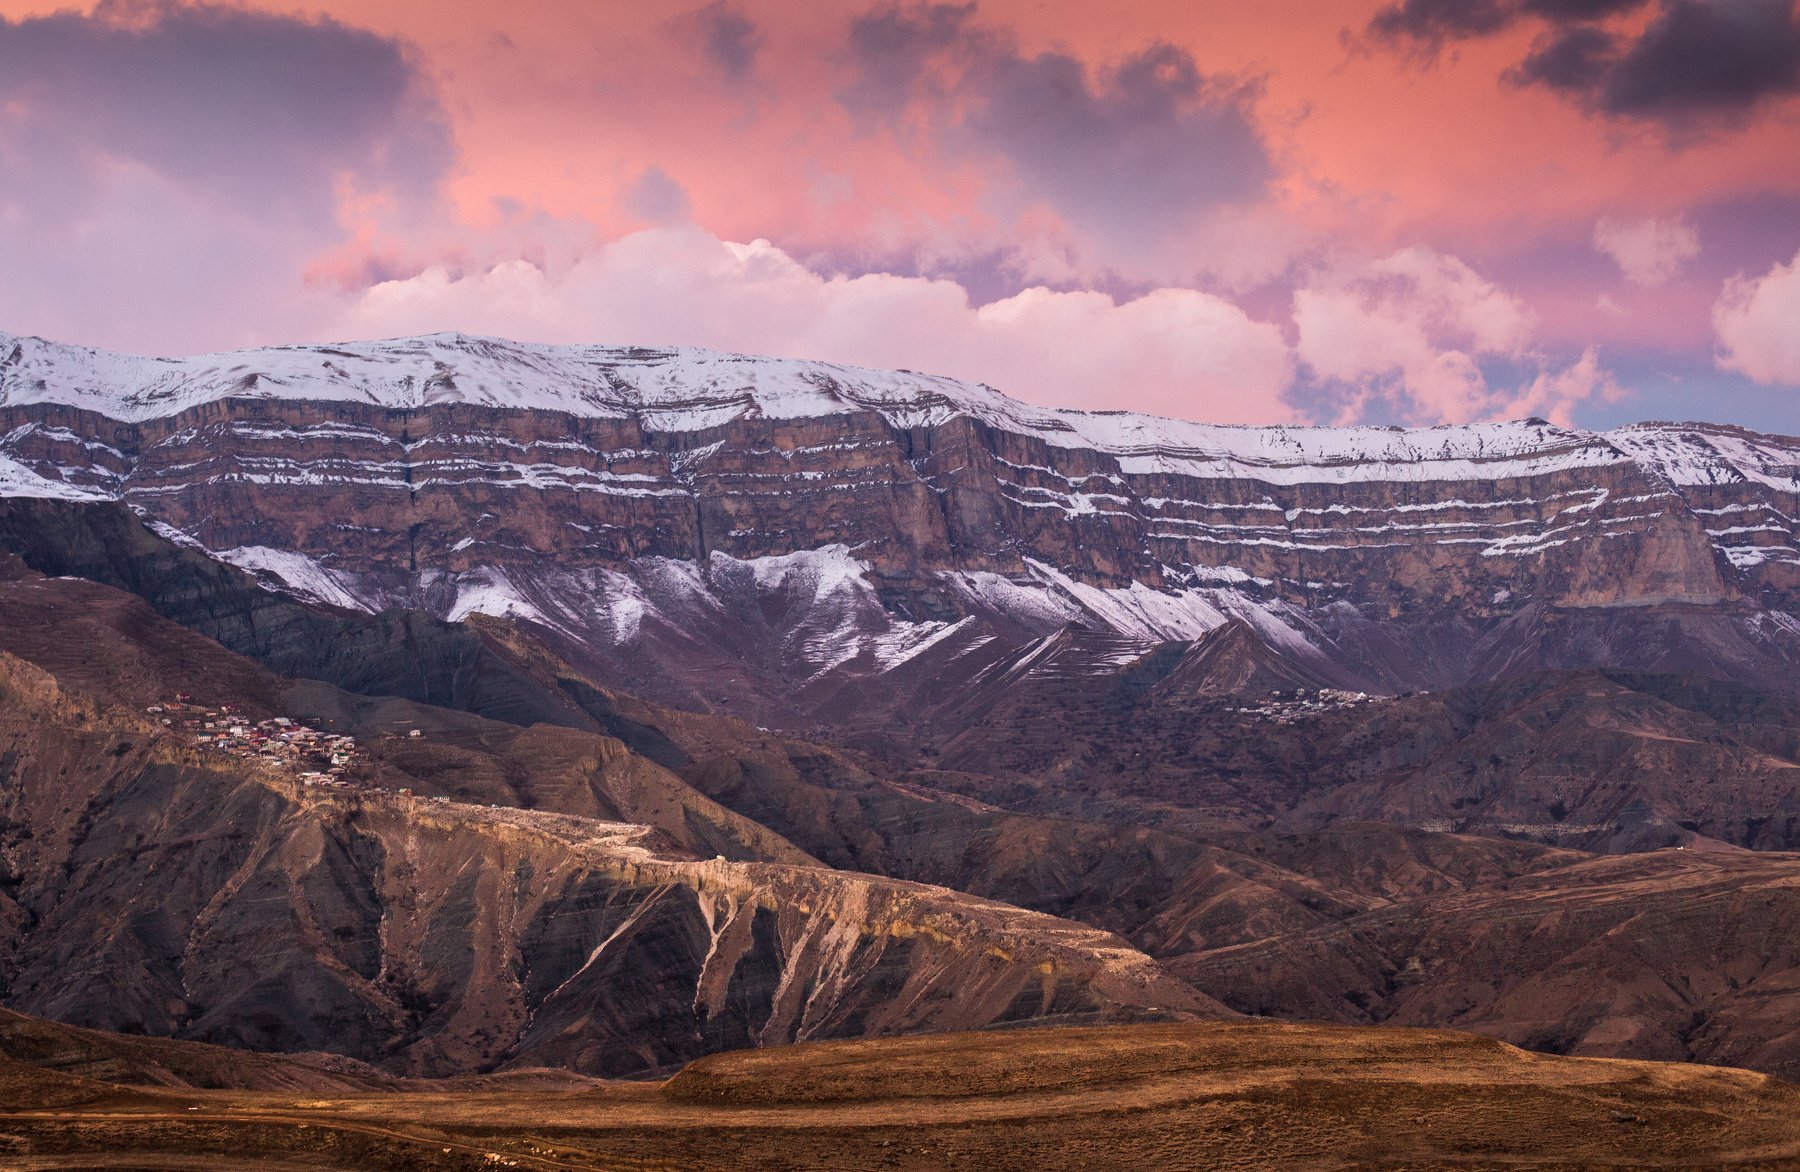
<point>320,758</point>
<point>1287,707</point>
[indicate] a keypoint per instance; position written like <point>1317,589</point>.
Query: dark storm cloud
<point>262,111</point>
<point>1133,149</point>
<point>729,39</point>
<point>1573,60</point>
<point>1697,59</point>
<point>1431,23</point>
<point>895,53</point>
<point>1153,139</point>
<point>1578,9</point>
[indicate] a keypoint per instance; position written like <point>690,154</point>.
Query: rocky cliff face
<point>1098,666</point>
<point>680,516</point>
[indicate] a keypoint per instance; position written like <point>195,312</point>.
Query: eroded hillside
<point>160,887</point>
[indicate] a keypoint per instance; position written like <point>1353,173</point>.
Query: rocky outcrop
<point>1612,761</point>
<point>407,503</point>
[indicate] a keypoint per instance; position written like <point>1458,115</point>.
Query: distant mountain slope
<point>389,908</point>
<point>769,536</point>
<point>1689,955</point>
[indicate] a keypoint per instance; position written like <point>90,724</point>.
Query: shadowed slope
<point>156,885</point>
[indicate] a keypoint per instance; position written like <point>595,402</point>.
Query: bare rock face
<point>396,502</point>
<point>758,535</point>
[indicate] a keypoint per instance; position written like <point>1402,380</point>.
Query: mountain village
<point>318,757</point>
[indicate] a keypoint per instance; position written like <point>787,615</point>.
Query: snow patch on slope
<point>173,535</point>
<point>821,573</point>
<point>820,604</point>
<point>1137,611</point>
<point>830,614</point>
<point>16,480</point>
<point>1026,603</point>
<point>295,573</point>
<point>492,592</point>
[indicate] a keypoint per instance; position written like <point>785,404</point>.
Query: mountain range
<point>704,701</point>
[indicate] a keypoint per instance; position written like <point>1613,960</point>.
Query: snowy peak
<point>1697,454</point>
<point>690,389</point>
<point>670,389</point>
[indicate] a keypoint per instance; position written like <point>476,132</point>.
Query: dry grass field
<point>1209,1095</point>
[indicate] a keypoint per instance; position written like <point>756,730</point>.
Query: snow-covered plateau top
<point>688,389</point>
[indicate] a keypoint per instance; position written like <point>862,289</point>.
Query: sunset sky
<point>1290,210</point>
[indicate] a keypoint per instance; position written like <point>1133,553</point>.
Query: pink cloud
<point>1411,329</point>
<point>170,171</point>
<point>1648,252</point>
<point>1555,394</point>
<point>183,176</point>
<point>1758,325</point>
<point>1177,351</point>
<point>1413,325</point>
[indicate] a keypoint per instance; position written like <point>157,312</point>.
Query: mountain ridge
<point>660,383</point>
<point>771,535</point>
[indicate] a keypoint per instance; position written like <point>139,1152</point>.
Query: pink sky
<point>1410,211</point>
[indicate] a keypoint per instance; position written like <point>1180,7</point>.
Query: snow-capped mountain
<point>683,516</point>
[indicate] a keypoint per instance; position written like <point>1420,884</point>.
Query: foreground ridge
<point>1244,1096</point>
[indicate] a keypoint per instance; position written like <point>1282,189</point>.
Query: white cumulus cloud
<point>1410,331</point>
<point>1172,351</point>
<point>1758,325</point>
<point>1413,327</point>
